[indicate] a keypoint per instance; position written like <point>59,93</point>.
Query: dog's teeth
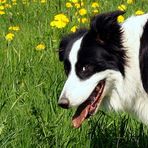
<point>97,88</point>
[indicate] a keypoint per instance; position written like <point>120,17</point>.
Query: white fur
<point>129,91</point>
<point>123,94</point>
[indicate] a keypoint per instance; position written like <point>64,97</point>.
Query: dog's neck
<point>134,96</point>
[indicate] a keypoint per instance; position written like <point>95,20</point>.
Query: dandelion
<point>7,6</point>
<point>77,5</point>
<point>43,1</point>
<point>14,28</point>
<point>83,20</point>
<point>61,17</point>
<point>130,1</point>
<point>95,5</point>
<point>52,24</point>
<point>95,11</point>
<point>82,11</point>
<point>2,7</point>
<point>2,12</point>
<point>40,47</point>
<point>14,2</point>
<point>9,37</point>
<point>73,29</point>
<point>2,1</point>
<point>122,7</point>
<point>68,5</point>
<point>74,1</point>
<point>139,12</point>
<point>58,24</point>
<point>60,21</point>
<point>120,18</point>
<point>81,3</point>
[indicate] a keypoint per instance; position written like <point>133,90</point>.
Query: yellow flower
<point>95,5</point>
<point>61,17</point>
<point>83,20</point>
<point>9,36</point>
<point>52,24</point>
<point>2,12</point>
<point>40,47</point>
<point>14,28</point>
<point>122,7</point>
<point>60,21</point>
<point>58,24</point>
<point>95,11</point>
<point>14,2</point>
<point>2,1</point>
<point>74,1</point>
<point>130,1</point>
<point>43,1</point>
<point>68,5</point>
<point>120,18</point>
<point>77,5</point>
<point>82,11</point>
<point>2,7</point>
<point>81,3</point>
<point>7,6</point>
<point>139,12</point>
<point>73,29</point>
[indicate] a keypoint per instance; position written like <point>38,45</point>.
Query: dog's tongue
<point>81,114</point>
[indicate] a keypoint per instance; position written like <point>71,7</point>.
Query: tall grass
<point>31,81</point>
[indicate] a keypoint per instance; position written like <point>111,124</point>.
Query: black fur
<point>101,47</point>
<point>67,41</point>
<point>65,47</point>
<point>143,57</point>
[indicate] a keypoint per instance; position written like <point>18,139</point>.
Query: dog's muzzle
<point>64,103</point>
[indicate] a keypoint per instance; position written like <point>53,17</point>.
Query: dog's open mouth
<point>88,108</point>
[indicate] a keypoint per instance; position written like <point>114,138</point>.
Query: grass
<point>31,81</point>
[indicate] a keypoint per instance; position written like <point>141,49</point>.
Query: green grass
<point>31,81</point>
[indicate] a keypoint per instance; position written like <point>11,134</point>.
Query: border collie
<point>106,66</point>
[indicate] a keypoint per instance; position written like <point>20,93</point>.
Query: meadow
<point>31,77</point>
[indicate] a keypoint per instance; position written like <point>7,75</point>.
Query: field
<point>31,78</point>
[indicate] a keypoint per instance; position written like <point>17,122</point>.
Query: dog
<point>106,66</point>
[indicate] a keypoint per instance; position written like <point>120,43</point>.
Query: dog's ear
<point>106,26</point>
<point>67,41</point>
<point>62,48</point>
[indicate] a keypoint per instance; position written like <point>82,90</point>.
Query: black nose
<point>64,103</point>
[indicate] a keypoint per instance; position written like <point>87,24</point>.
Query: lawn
<point>31,78</point>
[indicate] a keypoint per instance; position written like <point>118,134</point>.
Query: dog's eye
<point>84,70</point>
<point>87,68</point>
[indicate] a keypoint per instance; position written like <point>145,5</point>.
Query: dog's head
<point>93,59</point>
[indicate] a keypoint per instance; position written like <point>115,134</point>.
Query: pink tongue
<point>81,114</point>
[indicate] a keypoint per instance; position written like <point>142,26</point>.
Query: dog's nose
<point>64,103</point>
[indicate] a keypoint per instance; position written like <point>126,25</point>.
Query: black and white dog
<point>107,66</point>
